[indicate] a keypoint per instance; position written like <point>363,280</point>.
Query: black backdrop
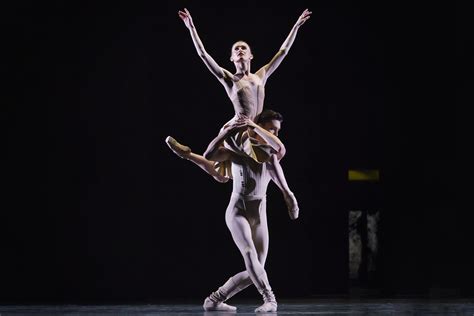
<point>98,209</point>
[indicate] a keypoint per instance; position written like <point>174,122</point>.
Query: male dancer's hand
<point>303,18</point>
<point>251,123</point>
<point>186,17</point>
<point>292,204</point>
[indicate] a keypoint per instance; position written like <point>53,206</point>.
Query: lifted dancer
<point>246,92</point>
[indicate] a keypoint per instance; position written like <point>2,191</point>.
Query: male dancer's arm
<point>269,68</point>
<point>221,74</point>
<point>278,176</point>
<point>274,142</point>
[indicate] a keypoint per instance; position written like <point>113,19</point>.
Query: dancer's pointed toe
<point>180,150</point>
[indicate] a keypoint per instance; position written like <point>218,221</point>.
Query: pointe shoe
<point>181,151</point>
<point>267,307</point>
<point>209,305</point>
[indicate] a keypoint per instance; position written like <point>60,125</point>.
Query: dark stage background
<point>97,208</point>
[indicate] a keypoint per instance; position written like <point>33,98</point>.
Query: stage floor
<point>286,307</point>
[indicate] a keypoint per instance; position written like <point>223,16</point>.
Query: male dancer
<point>246,213</point>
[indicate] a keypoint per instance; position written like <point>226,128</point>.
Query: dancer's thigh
<point>239,228</point>
<point>260,234</point>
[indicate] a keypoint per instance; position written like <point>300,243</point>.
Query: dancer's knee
<point>248,250</point>
<point>249,253</point>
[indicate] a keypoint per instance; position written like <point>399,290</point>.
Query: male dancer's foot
<point>215,301</point>
<point>270,304</point>
<point>210,305</point>
<point>181,151</point>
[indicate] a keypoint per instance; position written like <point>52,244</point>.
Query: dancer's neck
<point>242,68</point>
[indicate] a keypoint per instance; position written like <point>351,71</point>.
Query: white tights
<point>247,222</point>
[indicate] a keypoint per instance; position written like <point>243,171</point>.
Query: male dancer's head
<point>270,121</point>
